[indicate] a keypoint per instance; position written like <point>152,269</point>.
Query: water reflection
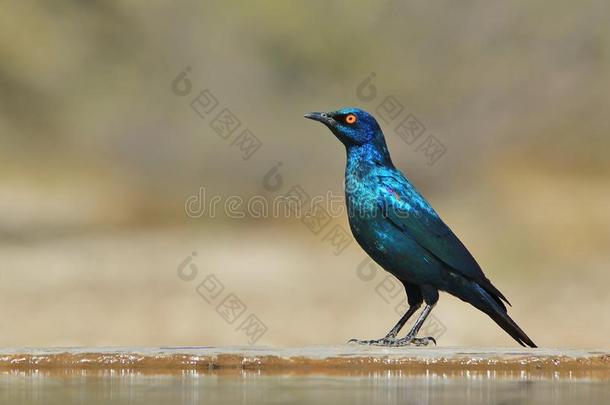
<point>256,387</point>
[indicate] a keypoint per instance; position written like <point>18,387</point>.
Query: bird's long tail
<point>501,317</point>
<point>476,295</point>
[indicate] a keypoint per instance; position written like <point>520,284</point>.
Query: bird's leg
<point>391,336</point>
<point>411,337</point>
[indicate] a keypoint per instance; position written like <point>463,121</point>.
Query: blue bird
<point>399,229</point>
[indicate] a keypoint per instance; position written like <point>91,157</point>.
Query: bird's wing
<point>406,209</point>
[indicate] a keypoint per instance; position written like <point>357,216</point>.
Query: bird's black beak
<point>323,117</point>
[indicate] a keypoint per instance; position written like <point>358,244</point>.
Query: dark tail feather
<point>498,313</point>
<point>511,328</point>
<point>491,304</point>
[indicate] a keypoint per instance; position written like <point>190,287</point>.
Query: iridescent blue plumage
<point>399,229</point>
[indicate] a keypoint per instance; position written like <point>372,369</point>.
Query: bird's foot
<point>412,340</point>
<point>386,341</point>
<point>393,342</point>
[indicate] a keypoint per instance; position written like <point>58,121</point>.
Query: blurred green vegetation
<point>86,93</point>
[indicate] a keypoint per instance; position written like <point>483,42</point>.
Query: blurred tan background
<point>100,153</point>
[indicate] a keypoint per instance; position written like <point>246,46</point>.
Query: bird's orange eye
<point>351,118</point>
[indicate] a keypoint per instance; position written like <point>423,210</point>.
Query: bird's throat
<point>372,154</point>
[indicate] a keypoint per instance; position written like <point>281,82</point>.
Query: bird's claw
<point>393,342</point>
<point>424,341</point>
<point>386,341</point>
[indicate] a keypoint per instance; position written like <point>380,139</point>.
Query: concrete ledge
<point>345,359</point>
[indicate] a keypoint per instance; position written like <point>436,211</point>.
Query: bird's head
<point>351,126</point>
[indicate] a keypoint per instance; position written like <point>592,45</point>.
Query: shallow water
<point>344,374</point>
<point>255,387</point>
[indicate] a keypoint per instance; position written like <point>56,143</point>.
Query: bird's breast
<point>366,219</point>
